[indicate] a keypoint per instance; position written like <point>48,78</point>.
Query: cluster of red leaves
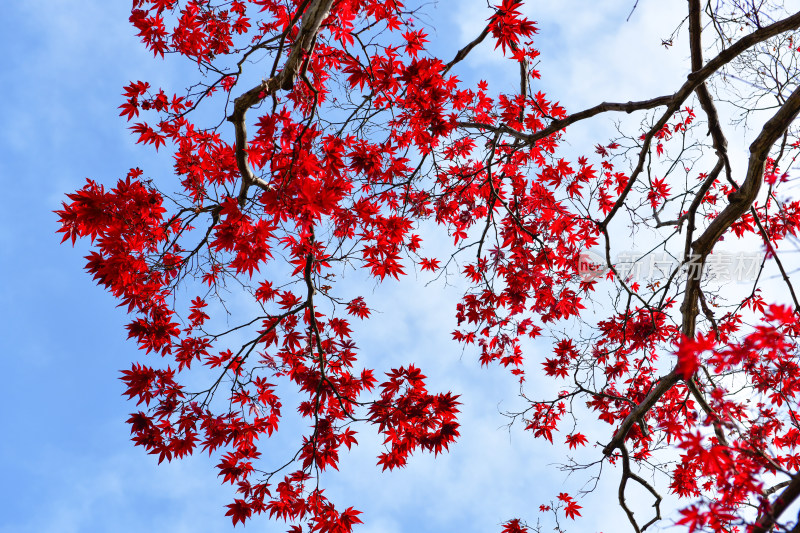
<point>733,470</point>
<point>508,25</point>
<point>352,183</point>
<point>411,418</point>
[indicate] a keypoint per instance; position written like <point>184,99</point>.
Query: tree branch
<point>759,150</point>
<point>466,50</point>
<point>719,141</point>
<point>556,125</point>
<point>784,500</point>
<point>742,199</point>
<point>312,20</point>
<point>638,412</point>
<point>694,79</point>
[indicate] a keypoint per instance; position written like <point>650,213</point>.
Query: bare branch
<point>464,52</point>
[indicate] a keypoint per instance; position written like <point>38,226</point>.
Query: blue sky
<point>66,460</point>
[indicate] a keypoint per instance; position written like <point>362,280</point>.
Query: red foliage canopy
<point>361,134</point>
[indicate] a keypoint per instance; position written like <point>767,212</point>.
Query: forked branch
<point>315,14</point>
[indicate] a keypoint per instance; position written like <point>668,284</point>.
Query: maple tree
<point>345,134</point>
